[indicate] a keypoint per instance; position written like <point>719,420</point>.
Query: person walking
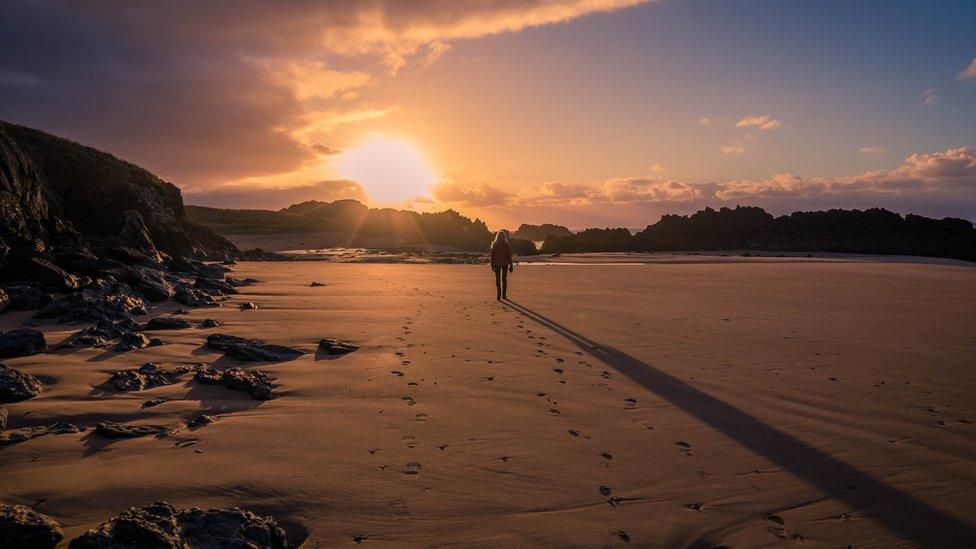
<point>501,263</point>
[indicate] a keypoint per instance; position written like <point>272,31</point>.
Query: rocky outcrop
<point>54,192</point>
<point>257,384</point>
<point>101,334</point>
<point>111,429</point>
<point>24,528</point>
<point>162,525</point>
<point>147,376</point>
<point>16,385</point>
<point>167,323</point>
<point>26,433</point>
<point>22,342</point>
<point>336,347</point>
<point>251,350</point>
<point>27,297</point>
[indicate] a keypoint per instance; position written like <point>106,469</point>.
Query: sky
<point>577,112</point>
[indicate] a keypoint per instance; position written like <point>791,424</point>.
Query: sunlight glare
<point>391,170</point>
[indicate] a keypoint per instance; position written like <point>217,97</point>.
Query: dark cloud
<point>264,198</point>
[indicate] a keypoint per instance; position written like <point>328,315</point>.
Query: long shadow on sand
<point>902,514</point>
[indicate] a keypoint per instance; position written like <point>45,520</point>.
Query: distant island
<point>872,231</point>
<point>540,232</point>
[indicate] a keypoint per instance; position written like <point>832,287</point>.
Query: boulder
<point>251,350</point>
<point>212,271</point>
<point>5,303</point>
<point>167,323</point>
<point>132,341</point>
<point>184,265</point>
<point>111,429</point>
<point>131,256</point>
<point>100,334</point>
<point>16,385</point>
<point>3,419</point>
<point>248,306</point>
<point>41,271</point>
<point>24,528</point>
<point>27,298</point>
<point>336,347</point>
<point>162,525</point>
<point>22,342</point>
<point>104,300</point>
<point>316,285</point>
<point>211,323</point>
<point>151,283</point>
<point>214,285</point>
<point>257,384</point>
<point>147,376</point>
<point>82,261</point>
<point>201,421</point>
<point>26,433</point>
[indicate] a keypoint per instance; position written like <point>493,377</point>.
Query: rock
<point>24,528</point>
<point>156,342</point>
<point>215,285</point>
<point>27,298</point>
<point>167,323</point>
<point>100,334</point>
<point>41,271</point>
<point>250,350</point>
<point>154,402</point>
<point>151,283</point>
<point>3,419</point>
<point>161,525</point>
<point>5,303</point>
<point>212,271</point>
<point>81,260</point>
<point>26,433</point>
<point>131,342</point>
<point>103,301</point>
<point>16,385</point>
<point>111,429</point>
<point>248,305</point>
<point>211,323</point>
<point>201,421</point>
<point>22,342</point>
<point>258,384</point>
<point>336,347</point>
<point>184,265</point>
<point>134,232</point>
<point>316,285</point>
<point>147,376</point>
<point>193,297</point>
<point>131,256</point>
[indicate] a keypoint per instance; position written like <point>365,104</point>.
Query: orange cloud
<point>764,122</point>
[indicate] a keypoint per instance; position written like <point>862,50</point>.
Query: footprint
<point>624,537</point>
<point>574,432</point>
<point>685,447</point>
<point>605,374</point>
<point>558,370</point>
<point>396,373</point>
<point>413,468</point>
<point>422,417</point>
<point>607,456</point>
<point>410,441</point>
<point>632,403</point>
<point>409,400</point>
<point>694,506</point>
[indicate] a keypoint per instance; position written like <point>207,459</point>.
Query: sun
<point>391,169</point>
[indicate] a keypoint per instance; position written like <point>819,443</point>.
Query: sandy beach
<point>736,404</point>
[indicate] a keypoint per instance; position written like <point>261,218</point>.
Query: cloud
<point>930,97</point>
<point>764,122</point>
<point>779,185</point>
<point>640,189</point>
<point>735,148</point>
<point>968,72</point>
<point>228,92</point>
<point>708,121</point>
<point>871,149</point>
<point>269,198</point>
<point>476,194</point>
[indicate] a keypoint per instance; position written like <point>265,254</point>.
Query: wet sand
<point>691,404</point>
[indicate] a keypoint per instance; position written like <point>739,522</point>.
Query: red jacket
<point>501,254</point>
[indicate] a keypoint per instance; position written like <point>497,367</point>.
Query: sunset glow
<point>391,170</point>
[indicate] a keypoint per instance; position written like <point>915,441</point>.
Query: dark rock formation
<point>5,303</point>
<point>248,306</point>
<point>22,342</point>
<point>212,271</point>
<point>215,285</point>
<point>111,429</point>
<point>211,323</point>
<point>154,402</point>
<point>257,384</point>
<point>167,323</point>
<point>193,297</point>
<point>105,300</point>
<point>100,334</point>
<point>16,385</point>
<point>26,433</point>
<point>201,421</point>
<point>251,350</point>
<point>540,232</point>
<point>147,376</point>
<point>316,285</point>
<point>161,525</point>
<point>3,419</point>
<point>27,298</point>
<point>336,347</point>
<point>41,271</point>
<point>24,528</point>
<point>132,341</point>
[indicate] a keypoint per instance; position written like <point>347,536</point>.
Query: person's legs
<point>504,282</point>
<point>498,281</point>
